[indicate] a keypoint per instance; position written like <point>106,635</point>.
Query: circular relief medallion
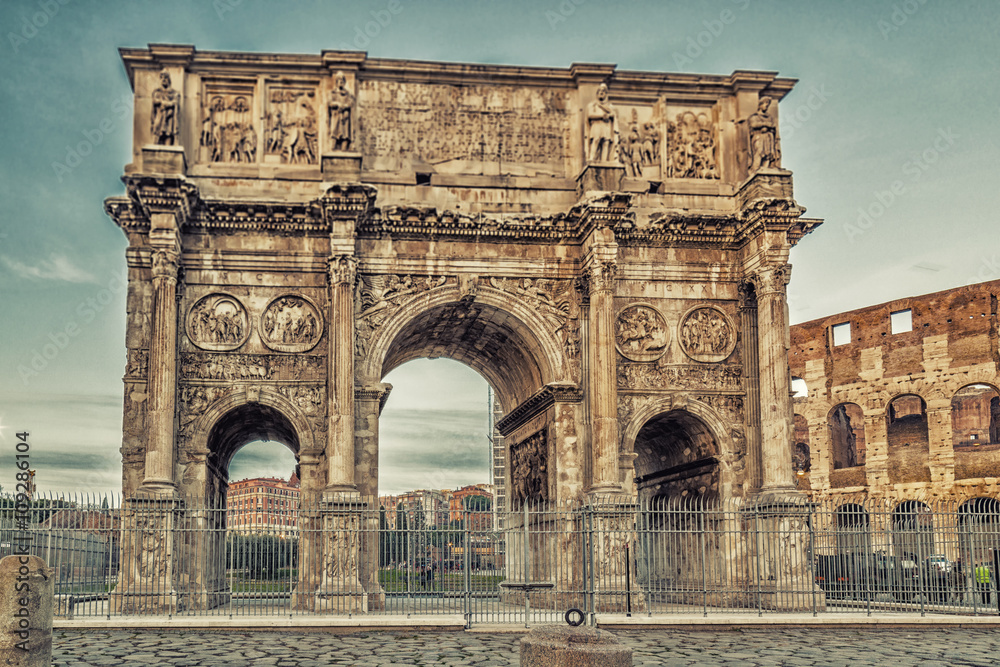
<point>641,333</point>
<point>291,324</point>
<point>706,334</point>
<point>218,322</point>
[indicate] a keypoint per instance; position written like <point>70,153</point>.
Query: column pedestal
<point>146,574</point>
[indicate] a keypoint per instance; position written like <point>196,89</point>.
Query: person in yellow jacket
<point>982,573</point>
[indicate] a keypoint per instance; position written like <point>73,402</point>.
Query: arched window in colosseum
<point>800,450</point>
<point>847,435</point>
<point>853,529</point>
<point>908,445</point>
<point>979,530</point>
<point>913,530</point>
<point>975,416</point>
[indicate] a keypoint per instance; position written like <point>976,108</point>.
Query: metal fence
<point>606,557</point>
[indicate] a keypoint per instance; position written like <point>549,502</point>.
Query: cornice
<point>541,400</point>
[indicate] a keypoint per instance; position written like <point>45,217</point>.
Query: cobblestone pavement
<point>661,647</point>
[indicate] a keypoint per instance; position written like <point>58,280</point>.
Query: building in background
<point>264,505</point>
<point>900,403</point>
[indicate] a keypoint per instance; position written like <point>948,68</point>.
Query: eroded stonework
<point>608,249</point>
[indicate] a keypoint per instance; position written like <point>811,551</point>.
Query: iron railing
<point>608,556</point>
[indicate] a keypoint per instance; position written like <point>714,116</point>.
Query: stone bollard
<point>26,593</point>
<point>565,646</point>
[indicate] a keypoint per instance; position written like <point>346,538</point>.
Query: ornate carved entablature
<point>541,400</point>
<point>162,194</point>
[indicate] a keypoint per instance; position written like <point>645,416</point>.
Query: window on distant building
<point>841,333</point>
<point>901,321</point>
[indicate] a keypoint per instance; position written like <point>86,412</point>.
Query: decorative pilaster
<point>602,390</point>
<point>340,376</point>
<point>775,382</point>
<point>751,371</point>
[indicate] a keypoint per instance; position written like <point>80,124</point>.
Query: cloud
<point>57,267</point>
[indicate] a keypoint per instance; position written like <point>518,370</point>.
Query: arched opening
<point>435,446</point>
<point>799,388</point>
<point>907,436</point>
<point>853,530</point>
<point>678,479</point>
<point>913,531</point>
<point>677,458</point>
<point>801,453</point>
<point>847,436</point>
<point>979,530</point>
<point>252,553</point>
<point>975,417</point>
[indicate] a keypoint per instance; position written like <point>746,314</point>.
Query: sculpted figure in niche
<point>340,109</point>
<point>163,122</point>
<point>650,144</point>
<point>602,128</point>
<point>764,150</point>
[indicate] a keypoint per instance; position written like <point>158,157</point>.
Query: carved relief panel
<point>529,469</point>
<point>218,322</point>
<point>291,125</point>
<point>228,133</point>
<point>379,296</point>
<point>641,333</point>
<point>691,144</point>
<point>706,334</point>
<point>291,324</point>
<point>439,123</point>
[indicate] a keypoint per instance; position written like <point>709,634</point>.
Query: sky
<point>891,134</point>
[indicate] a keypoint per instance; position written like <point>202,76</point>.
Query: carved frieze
<point>136,364</point>
<point>529,469</point>
<point>723,377</point>
<point>706,334</point>
<point>555,300</point>
<point>290,130</point>
<point>203,366</point>
<point>218,322</point>
<point>291,324</point>
<point>691,146</point>
<point>438,123</point>
<point>641,333</point>
<point>310,398</point>
<point>227,129</point>
<point>194,402</point>
<point>380,296</point>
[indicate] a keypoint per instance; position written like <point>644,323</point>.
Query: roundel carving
<point>218,322</point>
<point>706,334</point>
<point>291,324</point>
<point>641,333</point>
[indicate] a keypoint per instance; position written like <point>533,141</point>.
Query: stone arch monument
<point>609,249</point>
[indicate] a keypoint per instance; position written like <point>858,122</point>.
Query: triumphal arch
<point>608,248</point>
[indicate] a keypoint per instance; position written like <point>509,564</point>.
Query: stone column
<point>159,468</point>
<point>340,376</point>
<point>602,391</point>
<point>775,383</point>
<point>751,370</point>
<point>367,408</point>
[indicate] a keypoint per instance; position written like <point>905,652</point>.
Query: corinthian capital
<point>165,264</point>
<point>343,269</point>
<point>772,279</point>
<point>601,275</point>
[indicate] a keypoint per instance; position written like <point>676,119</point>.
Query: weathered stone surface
<point>607,248</point>
<point>905,412</point>
<point>564,646</point>
<point>26,611</point>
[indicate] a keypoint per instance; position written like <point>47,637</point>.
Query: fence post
<point>812,555</point>
<point>467,562</point>
<point>590,569</point>
<point>704,573</point>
